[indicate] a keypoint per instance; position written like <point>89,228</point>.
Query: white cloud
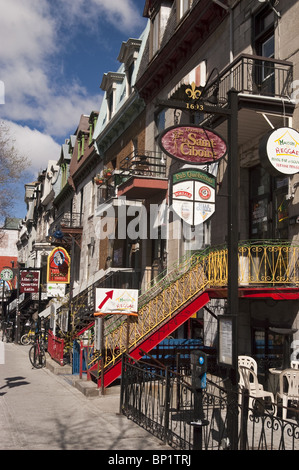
<point>38,91</point>
<point>122,14</point>
<point>35,89</point>
<point>39,148</point>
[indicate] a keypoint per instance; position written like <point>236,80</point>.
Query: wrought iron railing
<point>66,220</point>
<point>261,263</point>
<point>163,402</point>
<point>255,75</point>
<point>150,164</point>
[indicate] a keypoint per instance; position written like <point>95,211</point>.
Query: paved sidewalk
<point>40,410</point>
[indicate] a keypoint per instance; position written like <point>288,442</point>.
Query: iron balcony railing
<point>66,220</point>
<point>148,163</point>
<point>254,75</point>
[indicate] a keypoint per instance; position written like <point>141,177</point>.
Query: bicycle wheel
<point>37,356</point>
<point>25,340</point>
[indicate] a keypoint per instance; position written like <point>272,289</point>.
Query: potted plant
<point>98,179</point>
<point>107,172</point>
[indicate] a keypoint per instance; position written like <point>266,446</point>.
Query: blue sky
<point>53,54</point>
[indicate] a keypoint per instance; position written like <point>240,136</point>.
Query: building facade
<point>118,198</point>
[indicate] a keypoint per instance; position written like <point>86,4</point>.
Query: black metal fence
<point>164,403</point>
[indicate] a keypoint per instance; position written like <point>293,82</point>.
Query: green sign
<point>6,274</point>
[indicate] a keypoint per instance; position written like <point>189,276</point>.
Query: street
<point>43,411</point>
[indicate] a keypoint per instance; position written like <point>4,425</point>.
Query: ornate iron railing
<point>261,263</point>
<point>148,163</point>
<point>163,402</point>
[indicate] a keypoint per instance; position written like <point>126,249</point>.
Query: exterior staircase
<point>173,298</point>
<point>164,308</point>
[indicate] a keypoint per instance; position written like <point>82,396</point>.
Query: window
<point>268,205</point>
<point>264,46</point>
<point>158,24</point>
<point>110,82</point>
<point>110,104</point>
<point>156,33</point>
<point>92,124</point>
<point>184,6</point>
<point>129,76</point>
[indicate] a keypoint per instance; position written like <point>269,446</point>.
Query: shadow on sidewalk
<point>13,382</point>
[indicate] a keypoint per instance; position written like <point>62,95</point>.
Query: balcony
<point>67,224</point>
<point>255,75</point>
<point>264,86</point>
<point>142,175</point>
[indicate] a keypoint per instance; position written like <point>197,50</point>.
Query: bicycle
<point>37,355</point>
<point>28,338</point>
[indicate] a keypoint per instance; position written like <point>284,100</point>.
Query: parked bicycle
<point>7,332</point>
<point>28,338</point>
<point>37,355</point>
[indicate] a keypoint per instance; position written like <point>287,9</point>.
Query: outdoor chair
<point>249,362</point>
<point>255,389</point>
<point>288,389</point>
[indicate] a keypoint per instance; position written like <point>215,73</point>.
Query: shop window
<point>267,348</point>
<point>268,205</point>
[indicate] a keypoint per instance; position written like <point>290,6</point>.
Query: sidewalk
<point>43,410</point>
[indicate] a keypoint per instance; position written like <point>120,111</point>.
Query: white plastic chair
<point>256,390</point>
<point>295,364</point>
<point>288,388</point>
<point>249,362</point>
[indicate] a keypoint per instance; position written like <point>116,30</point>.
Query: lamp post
<point>233,261</point>
<point>230,114</point>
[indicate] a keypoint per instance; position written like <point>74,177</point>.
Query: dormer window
<point>109,84</point>
<point>159,15</point>
<point>128,56</point>
<point>92,124</point>
<point>81,138</point>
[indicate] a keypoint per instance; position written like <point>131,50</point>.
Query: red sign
<point>193,144</point>
<point>29,281</point>
<point>58,266</point>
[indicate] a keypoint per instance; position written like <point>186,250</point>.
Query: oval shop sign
<point>192,144</point>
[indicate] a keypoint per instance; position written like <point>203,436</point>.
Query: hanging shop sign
<point>193,195</point>
<point>192,144</point>
<point>29,281</point>
<point>55,290</point>
<point>58,268</point>
<point>116,301</point>
<point>6,274</point>
<point>279,151</point>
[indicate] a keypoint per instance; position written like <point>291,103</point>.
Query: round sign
<point>6,274</point>
<point>205,193</point>
<point>192,144</point>
<point>279,151</point>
